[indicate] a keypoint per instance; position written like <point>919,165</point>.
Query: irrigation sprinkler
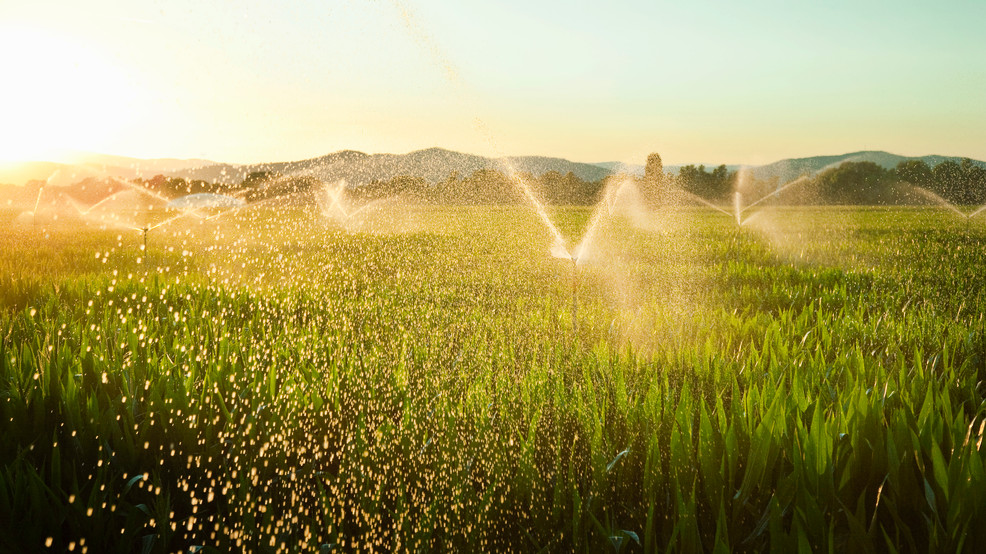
<point>940,201</point>
<point>335,209</point>
<point>560,251</point>
<point>147,228</point>
<point>739,209</point>
<point>37,204</point>
<point>580,252</point>
<point>575,295</point>
<point>703,201</point>
<point>969,216</point>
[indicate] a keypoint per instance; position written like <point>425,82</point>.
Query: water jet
<point>703,201</point>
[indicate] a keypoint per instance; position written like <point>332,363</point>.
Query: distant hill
<point>790,169</point>
<point>22,172</point>
<point>88,165</point>
<point>85,192</point>
<point>432,164</point>
<point>620,167</point>
<point>144,166</point>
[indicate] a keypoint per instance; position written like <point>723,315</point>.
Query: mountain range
<point>432,164</point>
<point>790,169</point>
<point>87,165</point>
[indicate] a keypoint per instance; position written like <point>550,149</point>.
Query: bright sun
<point>57,95</point>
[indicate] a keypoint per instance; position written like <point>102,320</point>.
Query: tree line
<point>863,183</point>
<point>859,183</point>
<point>485,187</point>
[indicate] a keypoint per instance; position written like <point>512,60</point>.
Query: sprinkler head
<point>560,251</point>
<point>738,208</point>
<point>579,255</point>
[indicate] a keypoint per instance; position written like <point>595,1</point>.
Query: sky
<point>698,82</point>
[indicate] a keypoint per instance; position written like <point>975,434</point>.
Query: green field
<point>812,381</point>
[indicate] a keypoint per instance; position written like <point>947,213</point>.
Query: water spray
<point>799,181</point>
<point>148,228</point>
<point>703,201</point>
<point>37,203</point>
<point>335,204</point>
<point>129,187</point>
<point>970,215</point>
<point>941,201</point>
<point>560,251</point>
<point>946,204</point>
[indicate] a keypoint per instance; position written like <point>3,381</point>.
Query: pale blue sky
<point>708,82</point>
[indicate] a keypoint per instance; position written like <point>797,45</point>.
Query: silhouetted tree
<point>946,180</point>
<point>258,178</point>
<point>654,185</point>
<point>856,183</point>
<point>484,186</point>
<point>654,170</point>
<point>976,184</point>
<point>914,172</point>
<point>717,185</point>
<point>973,185</point>
<point>721,182</point>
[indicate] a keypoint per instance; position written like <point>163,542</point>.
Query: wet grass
<point>813,381</point>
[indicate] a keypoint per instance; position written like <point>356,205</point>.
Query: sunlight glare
<point>58,94</point>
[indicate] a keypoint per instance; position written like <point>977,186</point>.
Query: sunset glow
<point>701,82</point>
<point>431,276</point>
<point>59,94</point>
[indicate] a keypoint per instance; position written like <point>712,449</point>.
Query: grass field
<point>812,381</point>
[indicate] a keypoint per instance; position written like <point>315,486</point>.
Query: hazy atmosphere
<point>701,82</point>
<point>422,276</point>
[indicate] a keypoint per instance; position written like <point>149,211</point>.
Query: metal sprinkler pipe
<point>37,204</point>
<point>575,289</point>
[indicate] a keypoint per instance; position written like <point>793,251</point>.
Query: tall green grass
<point>268,383</point>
